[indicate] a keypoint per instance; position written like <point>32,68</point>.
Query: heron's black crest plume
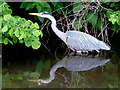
<point>46,13</point>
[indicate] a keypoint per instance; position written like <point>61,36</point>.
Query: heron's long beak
<point>36,14</point>
<point>32,80</point>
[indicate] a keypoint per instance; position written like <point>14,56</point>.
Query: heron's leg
<point>97,55</point>
<point>79,53</point>
<point>90,56</point>
<point>69,54</point>
<point>68,50</point>
<point>72,54</point>
<point>75,52</point>
<point>85,53</point>
<point>98,51</point>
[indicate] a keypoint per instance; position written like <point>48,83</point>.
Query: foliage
<point>98,15</point>
<point>10,78</point>
<point>115,17</point>
<point>15,28</point>
<point>92,17</point>
<point>42,6</point>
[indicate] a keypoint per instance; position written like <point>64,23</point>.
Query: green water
<point>15,74</point>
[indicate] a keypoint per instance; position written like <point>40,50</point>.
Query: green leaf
<point>7,17</point>
<point>4,29</point>
<point>41,33</point>
<point>44,4</point>
<point>78,24</point>
<point>92,17</point>
<point>25,24</point>
<point>21,30</point>
<point>113,4</point>
<point>24,4</point>
<point>118,12</point>
<point>30,21</point>
<point>32,26</point>
<point>98,25</point>
<point>28,34</point>
<point>36,44</point>
<point>59,5</point>
<point>37,26</point>
<point>34,38</point>
<point>28,43</point>
<point>11,32</point>
<point>54,3</point>
<point>115,26</point>
<point>21,41</point>
<point>22,36</point>
<point>107,3</point>
<point>41,19</point>
<point>36,33</point>
<point>17,33</point>
<point>118,22</point>
<point>38,8</point>
<point>116,7</point>
<point>77,7</point>
<point>15,39</point>
<point>6,41</point>
<point>30,6</point>
<point>113,18</point>
<point>10,41</point>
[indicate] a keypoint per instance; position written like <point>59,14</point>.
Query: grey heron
<point>76,40</point>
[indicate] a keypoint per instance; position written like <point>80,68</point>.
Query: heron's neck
<point>55,29</point>
<point>53,70</point>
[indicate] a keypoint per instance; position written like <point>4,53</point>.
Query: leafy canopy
<point>15,29</point>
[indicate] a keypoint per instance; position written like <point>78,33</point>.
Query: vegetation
<point>15,28</point>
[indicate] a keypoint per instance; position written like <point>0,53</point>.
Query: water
<point>68,72</point>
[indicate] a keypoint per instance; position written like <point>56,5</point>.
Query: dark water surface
<point>70,71</point>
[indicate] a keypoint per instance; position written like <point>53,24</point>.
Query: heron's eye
<point>41,13</point>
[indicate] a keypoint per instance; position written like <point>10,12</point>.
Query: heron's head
<point>42,14</point>
<point>45,15</point>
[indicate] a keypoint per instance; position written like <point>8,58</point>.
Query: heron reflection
<point>79,63</point>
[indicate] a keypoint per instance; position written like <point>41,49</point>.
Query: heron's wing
<point>84,63</point>
<point>81,41</point>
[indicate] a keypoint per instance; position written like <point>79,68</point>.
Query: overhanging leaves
<point>92,17</point>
